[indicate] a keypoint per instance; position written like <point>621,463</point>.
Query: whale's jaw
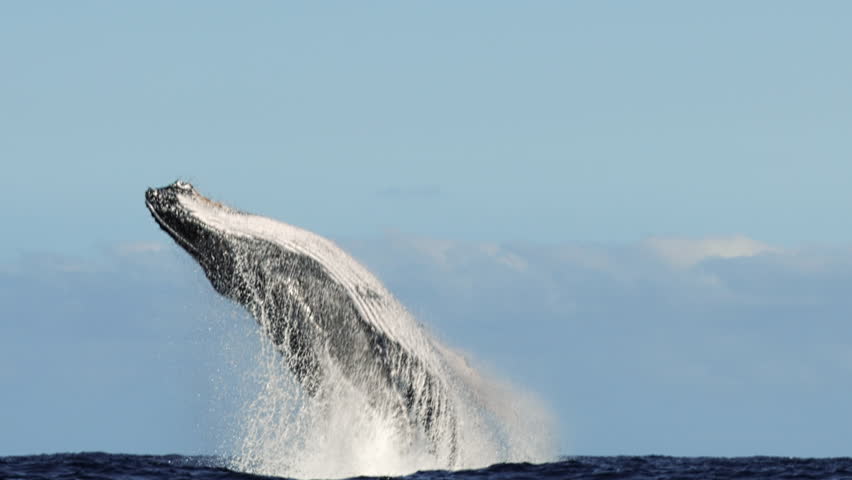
<point>212,249</point>
<point>167,210</point>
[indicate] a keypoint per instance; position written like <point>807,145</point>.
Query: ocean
<point>97,465</point>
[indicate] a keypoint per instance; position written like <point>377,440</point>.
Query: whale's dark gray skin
<point>319,307</point>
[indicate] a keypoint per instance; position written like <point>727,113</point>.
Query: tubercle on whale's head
<point>211,248</point>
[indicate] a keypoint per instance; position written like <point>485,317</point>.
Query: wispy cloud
<point>686,252</point>
<point>139,247</point>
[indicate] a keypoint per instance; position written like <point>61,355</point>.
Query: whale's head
<point>176,208</point>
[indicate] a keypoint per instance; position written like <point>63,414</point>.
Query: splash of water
<point>283,431</point>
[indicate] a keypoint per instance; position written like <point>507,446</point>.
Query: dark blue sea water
<point>139,467</point>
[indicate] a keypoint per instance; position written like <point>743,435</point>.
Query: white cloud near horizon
<point>686,252</point>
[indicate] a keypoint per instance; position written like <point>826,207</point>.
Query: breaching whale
<point>324,311</point>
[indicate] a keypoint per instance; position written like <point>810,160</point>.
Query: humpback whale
<point>325,313</point>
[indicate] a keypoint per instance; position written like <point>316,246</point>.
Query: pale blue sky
<point>541,124</point>
<point>555,121</point>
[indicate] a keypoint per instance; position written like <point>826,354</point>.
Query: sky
<point>634,209</point>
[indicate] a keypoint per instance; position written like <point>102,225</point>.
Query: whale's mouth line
<point>171,231</point>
